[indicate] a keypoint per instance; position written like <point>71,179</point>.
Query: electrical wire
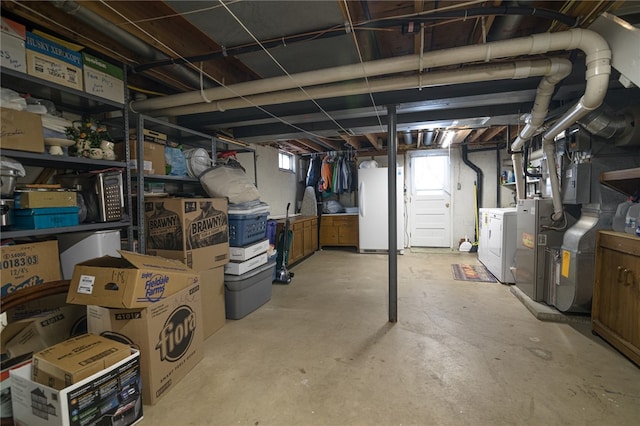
<point>364,72</point>
<point>282,68</point>
<point>214,79</point>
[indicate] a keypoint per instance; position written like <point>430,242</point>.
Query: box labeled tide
<point>192,230</point>
<point>12,50</point>
<point>103,79</point>
<point>111,396</point>
<point>167,333</point>
<point>131,281</point>
<point>53,62</point>
<point>26,265</point>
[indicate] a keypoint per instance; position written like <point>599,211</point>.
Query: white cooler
<point>80,246</point>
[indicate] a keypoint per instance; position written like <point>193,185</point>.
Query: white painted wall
<point>277,188</point>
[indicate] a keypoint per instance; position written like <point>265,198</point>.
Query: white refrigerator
<point>373,217</point>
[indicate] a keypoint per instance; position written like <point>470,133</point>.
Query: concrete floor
<point>322,352</point>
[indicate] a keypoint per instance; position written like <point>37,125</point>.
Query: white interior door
<point>430,201</point>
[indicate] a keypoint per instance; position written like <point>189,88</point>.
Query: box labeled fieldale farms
<point>167,333</point>
<point>131,281</point>
<point>26,265</point>
<point>192,230</point>
<point>111,396</point>
<point>103,79</point>
<point>53,62</point>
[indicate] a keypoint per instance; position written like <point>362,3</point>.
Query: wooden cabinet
<point>616,294</point>
<point>339,230</point>
<point>305,236</point>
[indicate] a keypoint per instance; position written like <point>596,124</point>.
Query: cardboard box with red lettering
<point>110,396</point>
<point>192,230</point>
<point>167,333</point>
<point>131,281</point>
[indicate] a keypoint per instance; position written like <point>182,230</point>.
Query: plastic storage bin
<point>46,217</point>
<point>246,229</point>
<point>80,246</point>
<point>245,293</point>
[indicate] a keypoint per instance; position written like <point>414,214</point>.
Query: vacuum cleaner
<point>283,276</point>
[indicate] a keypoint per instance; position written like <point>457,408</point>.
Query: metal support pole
<point>392,146</point>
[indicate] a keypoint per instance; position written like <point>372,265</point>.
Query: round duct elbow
<point>607,124</point>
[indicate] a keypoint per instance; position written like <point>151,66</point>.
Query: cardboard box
<point>26,265</point>
<point>239,268</point>
<point>192,230</point>
<point>149,135</point>
<point>132,281</point>
<point>111,396</point>
<point>75,359</point>
<point>6,414</point>
<point>168,335</point>
<point>37,199</point>
<point>47,330</point>
<point>154,162</point>
<point>21,130</point>
<point>53,62</point>
<point>212,286</point>
<point>103,79</point>
<point>12,45</point>
<point>249,251</point>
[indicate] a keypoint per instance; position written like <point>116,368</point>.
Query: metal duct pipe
<point>604,123</point>
<point>408,138</point>
<point>531,45</point>
<point>131,42</point>
<point>598,60</point>
<point>428,137</point>
<point>512,70</point>
<point>505,26</point>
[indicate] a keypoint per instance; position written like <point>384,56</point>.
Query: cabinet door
<point>328,232</point>
<point>297,246</point>
<point>616,296</point>
<point>349,231</point>
<point>314,234</point>
<point>307,243</point>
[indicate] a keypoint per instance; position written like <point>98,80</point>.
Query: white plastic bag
<point>231,182</point>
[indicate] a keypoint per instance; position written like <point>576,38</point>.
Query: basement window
<point>285,162</point>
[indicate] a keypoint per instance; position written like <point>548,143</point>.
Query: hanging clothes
<point>326,176</point>
<point>314,171</point>
<point>345,173</point>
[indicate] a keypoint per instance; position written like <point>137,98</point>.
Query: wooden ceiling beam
<point>374,140</point>
<point>477,133</point>
<point>351,140</point>
<point>311,145</point>
<point>491,133</point>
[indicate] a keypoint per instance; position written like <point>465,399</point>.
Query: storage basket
<point>245,229</point>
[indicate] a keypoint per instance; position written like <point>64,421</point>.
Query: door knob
<point>446,205</point>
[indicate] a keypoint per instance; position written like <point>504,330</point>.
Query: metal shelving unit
<point>79,103</point>
<point>182,135</point>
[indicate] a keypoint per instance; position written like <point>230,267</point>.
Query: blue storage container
<point>46,217</point>
<point>247,228</point>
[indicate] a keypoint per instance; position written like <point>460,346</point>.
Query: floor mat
<point>478,273</point>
